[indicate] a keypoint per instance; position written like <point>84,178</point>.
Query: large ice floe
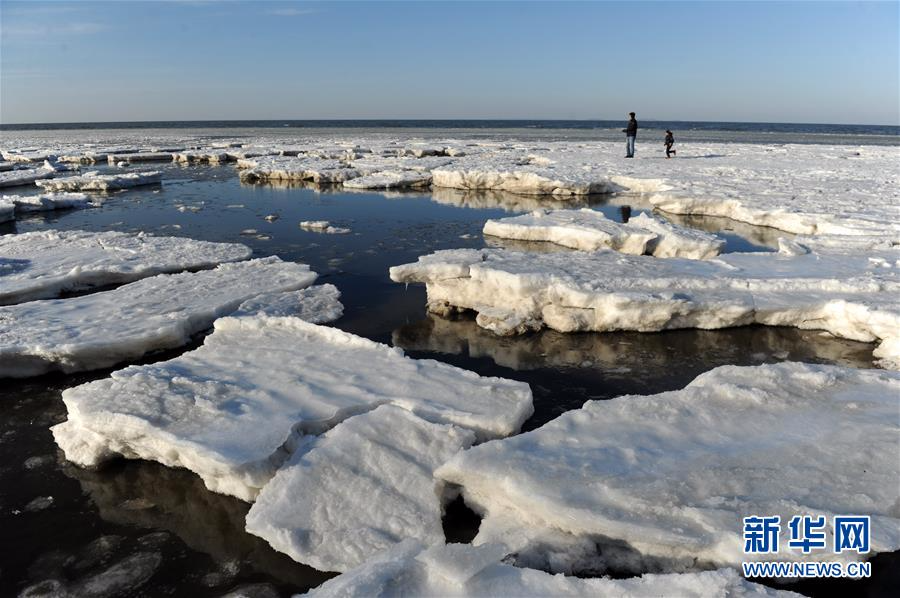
<point>589,230</point>
<point>92,181</point>
<point>318,304</point>
<point>44,202</point>
<point>375,474</point>
<point>234,409</point>
<point>162,312</point>
<point>19,178</point>
<point>412,569</point>
<point>43,264</point>
<point>287,168</point>
<point>853,296</point>
<point>662,482</point>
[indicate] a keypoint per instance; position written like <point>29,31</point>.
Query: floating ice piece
<point>677,241</point>
<point>43,264</point>
<point>233,410</point>
<point>375,472</point>
<point>849,296</point>
<point>140,157</point>
<point>7,166</point>
<point>670,476</point>
<point>19,178</point>
<point>285,168</point>
<point>519,175</point>
<point>583,229</point>
<point>101,182</point>
<point>202,156</point>
<point>317,304</point>
<point>47,202</point>
<point>390,179</point>
<point>24,157</point>
<point>323,226</point>
<point>462,570</point>
<point>102,329</point>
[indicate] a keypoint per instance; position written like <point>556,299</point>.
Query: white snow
<point>101,182</point>
<point>462,570</point>
<point>317,304</point>
<point>47,201</point>
<point>677,241</point>
<point>287,168</point>
<point>390,179</point>
<point>162,312</point>
<point>375,474</point>
<point>669,477</point>
<point>43,264</point>
<point>323,226</point>
<point>851,296</point>
<point>233,410</point>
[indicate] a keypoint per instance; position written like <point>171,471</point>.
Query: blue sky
<point>831,62</point>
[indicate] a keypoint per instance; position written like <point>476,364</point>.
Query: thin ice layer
<point>162,312</point>
<point>375,473</point>
<point>411,569</point>
<point>101,182</point>
<point>670,476</point>
<point>232,410</point>
<point>43,264</point>
<point>851,296</point>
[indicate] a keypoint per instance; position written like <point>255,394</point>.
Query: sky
<point>804,62</point>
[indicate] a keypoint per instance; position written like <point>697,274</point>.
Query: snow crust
<point>852,296</point>
<point>43,264</point>
<point>101,182</point>
<point>162,312</point>
<point>375,473</point>
<point>233,410</point>
<point>668,477</point>
<point>412,569</point>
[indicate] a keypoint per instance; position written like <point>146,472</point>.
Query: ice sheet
<point>234,409</point>
<point>43,264</point>
<point>162,312</point>
<point>375,474</point>
<point>669,477</point>
<point>101,182</point>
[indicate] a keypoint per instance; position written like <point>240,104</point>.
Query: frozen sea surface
<point>200,534</point>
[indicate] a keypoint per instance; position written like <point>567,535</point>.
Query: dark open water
<point>59,522</point>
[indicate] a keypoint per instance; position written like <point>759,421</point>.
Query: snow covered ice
<point>323,226</point>
<point>19,178</point>
<point>162,312</point>
<point>101,182</point>
<point>412,569</point>
<point>667,478</point>
<point>589,230</point>
<point>43,264</point>
<point>286,168</point>
<point>233,410</point>
<point>318,304</point>
<point>375,473</point>
<point>851,296</point>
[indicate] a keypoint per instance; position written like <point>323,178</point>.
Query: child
<point>670,141</point>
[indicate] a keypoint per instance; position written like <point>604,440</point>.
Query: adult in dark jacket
<point>630,135</point>
<point>669,141</point>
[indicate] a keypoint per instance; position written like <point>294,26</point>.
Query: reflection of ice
<point>759,235</point>
<point>509,201</point>
<point>156,497</point>
<point>628,354</point>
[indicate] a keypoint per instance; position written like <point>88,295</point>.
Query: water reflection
<point>758,235</point>
<point>152,496</point>
<point>630,354</point>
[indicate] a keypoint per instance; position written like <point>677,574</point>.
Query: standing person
<point>630,135</point>
<point>670,141</point>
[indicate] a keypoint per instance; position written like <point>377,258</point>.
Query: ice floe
<point>323,226</point>
<point>43,264</point>
<point>375,473</point>
<point>47,201</point>
<point>132,157</point>
<point>92,181</point>
<point>851,296</point>
<point>390,179</point>
<point>412,569</point>
<point>162,312</point>
<point>318,304</point>
<point>665,480</point>
<point>234,409</point>
<point>19,178</point>
<point>286,168</point>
